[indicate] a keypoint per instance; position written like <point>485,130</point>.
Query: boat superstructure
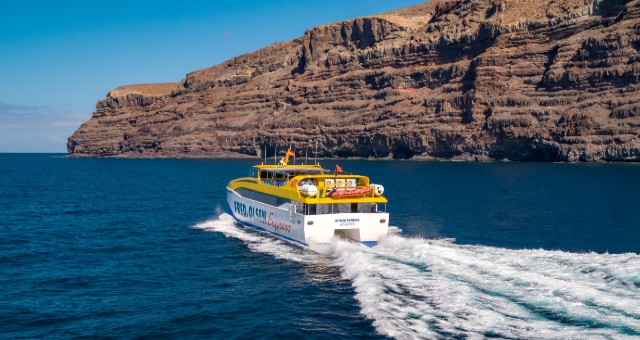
<point>308,205</point>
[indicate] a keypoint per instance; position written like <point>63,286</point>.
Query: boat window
<point>260,197</point>
<point>308,209</point>
<point>338,208</point>
<point>289,172</point>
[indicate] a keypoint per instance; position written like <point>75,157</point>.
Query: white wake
<point>417,288</point>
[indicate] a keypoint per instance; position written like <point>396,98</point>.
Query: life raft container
<point>351,193</point>
<point>308,190</point>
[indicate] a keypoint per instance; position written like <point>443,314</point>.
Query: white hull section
<point>284,221</point>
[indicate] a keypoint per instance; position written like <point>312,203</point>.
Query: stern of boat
<point>365,228</point>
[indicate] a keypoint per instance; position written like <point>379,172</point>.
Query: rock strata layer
<point>533,80</point>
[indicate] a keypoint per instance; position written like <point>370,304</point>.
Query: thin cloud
<point>36,128</point>
<point>21,110</point>
<point>228,36</point>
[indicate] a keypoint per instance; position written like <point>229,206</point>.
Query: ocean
<point>122,248</point>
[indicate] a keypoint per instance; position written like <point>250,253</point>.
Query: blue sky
<point>57,58</point>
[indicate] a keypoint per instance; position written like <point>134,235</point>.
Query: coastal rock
<point>527,80</point>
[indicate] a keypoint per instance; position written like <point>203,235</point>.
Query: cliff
<point>532,80</point>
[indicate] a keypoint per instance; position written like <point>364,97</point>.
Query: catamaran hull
<point>306,230</point>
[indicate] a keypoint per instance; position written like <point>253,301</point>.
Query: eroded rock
<point>464,79</point>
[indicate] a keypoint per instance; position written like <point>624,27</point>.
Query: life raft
<point>351,193</point>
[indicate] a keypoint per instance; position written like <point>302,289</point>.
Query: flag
<point>339,168</point>
<point>291,154</point>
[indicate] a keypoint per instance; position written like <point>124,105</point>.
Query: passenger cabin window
<point>261,197</point>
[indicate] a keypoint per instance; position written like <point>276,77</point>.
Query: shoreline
<point>233,156</point>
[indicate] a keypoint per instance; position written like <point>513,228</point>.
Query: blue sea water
<point>141,249</point>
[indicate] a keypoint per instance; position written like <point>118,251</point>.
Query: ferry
<point>309,205</point>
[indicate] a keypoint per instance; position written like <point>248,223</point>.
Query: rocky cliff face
<point>466,79</point>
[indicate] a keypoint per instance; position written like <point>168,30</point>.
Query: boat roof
<point>290,170</point>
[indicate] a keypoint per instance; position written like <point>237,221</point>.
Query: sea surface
<point>122,248</point>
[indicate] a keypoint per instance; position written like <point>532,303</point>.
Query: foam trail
<point>257,241</point>
<point>415,288</point>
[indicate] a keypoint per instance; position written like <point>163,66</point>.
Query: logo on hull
<point>278,225</point>
<point>343,222</point>
<point>259,215</point>
<point>252,213</point>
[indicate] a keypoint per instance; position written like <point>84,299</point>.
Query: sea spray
<point>421,288</point>
<point>256,241</point>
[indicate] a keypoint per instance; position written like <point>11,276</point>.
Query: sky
<point>58,58</point>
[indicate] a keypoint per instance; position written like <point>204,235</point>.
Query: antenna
<point>316,154</point>
<point>275,156</point>
<point>306,149</point>
<point>265,153</point>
